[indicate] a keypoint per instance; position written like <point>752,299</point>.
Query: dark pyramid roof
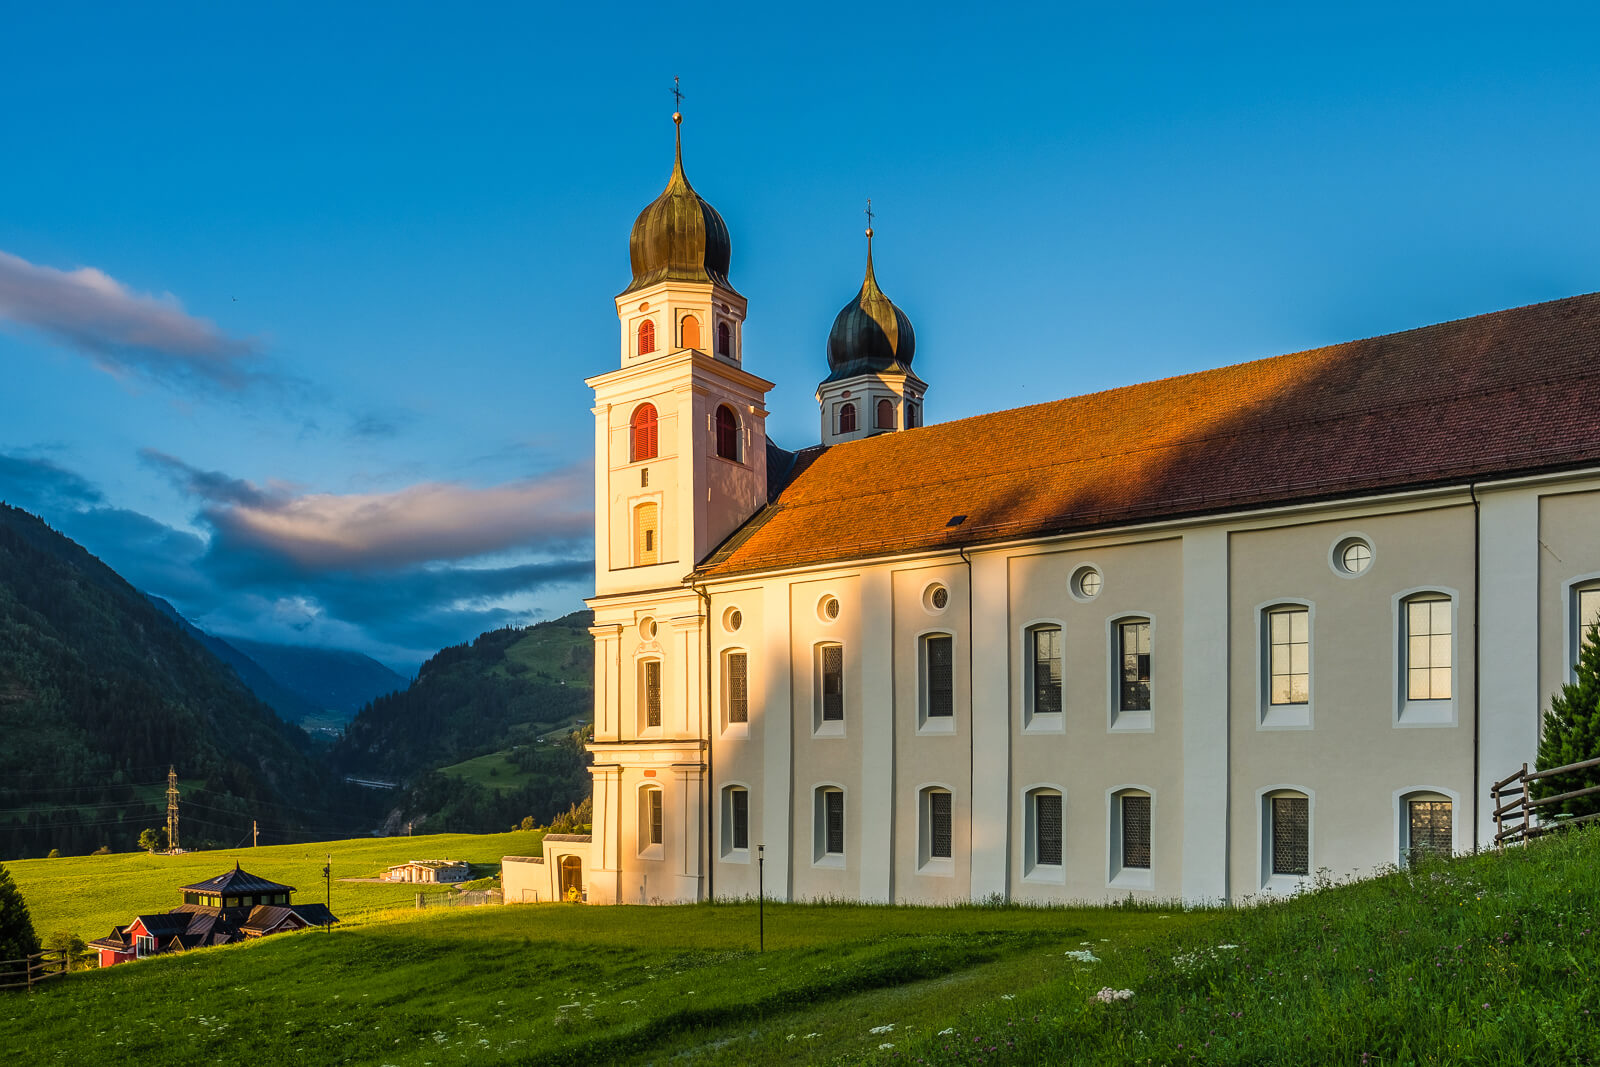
<point>679,237</point>
<point>237,881</point>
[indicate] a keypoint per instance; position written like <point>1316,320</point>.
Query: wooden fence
<point>30,971</point>
<point>465,898</point>
<point>1514,819</point>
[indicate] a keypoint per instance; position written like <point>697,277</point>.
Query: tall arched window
<point>885,419</point>
<point>691,332</point>
<point>724,341</point>
<point>847,419</point>
<point>647,337</point>
<point>727,433</point>
<point>644,433</point>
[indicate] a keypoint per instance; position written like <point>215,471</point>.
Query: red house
<point>230,907</point>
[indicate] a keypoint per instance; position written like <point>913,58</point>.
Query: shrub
<point>1572,734</point>
<point>17,938</point>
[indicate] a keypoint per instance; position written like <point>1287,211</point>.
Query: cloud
<point>397,575</point>
<point>31,483</point>
<point>123,331</point>
<point>364,532</point>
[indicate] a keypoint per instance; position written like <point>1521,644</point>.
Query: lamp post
<point>327,880</point>
<point>761,895</point>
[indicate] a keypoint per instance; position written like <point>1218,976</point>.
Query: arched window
<point>691,332</point>
<point>649,694</point>
<point>1044,676</point>
<point>827,834</point>
<point>646,535</point>
<point>1131,837</point>
<point>847,419</point>
<point>727,433</point>
<point>937,830</point>
<point>913,417</point>
<point>1042,819</point>
<point>647,337</point>
<point>652,822</point>
<point>735,820</point>
<point>724,341</point>
<point>885,419</point>
<point>938,679</point>
<point>644,433</point>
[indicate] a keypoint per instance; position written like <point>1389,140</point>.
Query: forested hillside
<point>517,691</point>
<point>100,691</point>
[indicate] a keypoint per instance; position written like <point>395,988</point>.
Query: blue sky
<point>296,301</point>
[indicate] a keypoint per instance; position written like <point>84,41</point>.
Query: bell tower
<point>680,463</point>
<point>871,388</point>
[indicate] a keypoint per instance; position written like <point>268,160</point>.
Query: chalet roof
<point>1509,393</point>
<point>315,914</point>
<point>264,917</point>
<point>237,881</point>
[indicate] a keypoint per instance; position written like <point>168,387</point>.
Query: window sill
<point>737,855</point>
<point>937,868</point>
<point>829,728</point>
<point>1285,717</point>
<point>1045,874</point>
<point>941,724</point>
<point>1132,878</point>
<point>1045,723</point>
<point>737,731</point>
<point>1427,713</point>
<point>1132,722</point>
<point>1285,885</point>
<point>653,852</point>
<point>831,860</point>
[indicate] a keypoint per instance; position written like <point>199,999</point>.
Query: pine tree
<point>1572,735</point>
<point>17,938</point>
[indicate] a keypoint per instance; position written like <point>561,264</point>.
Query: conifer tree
<point>1572,735</point>
<point>17,938</point>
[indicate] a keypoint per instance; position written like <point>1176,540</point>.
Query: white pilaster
<point>776,724</point>
<point>1508,640</point>
<point>989,641</point>
<point>1205,715</point>
<point>877,736</point>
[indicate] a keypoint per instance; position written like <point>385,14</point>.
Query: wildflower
<point>1107,995</point>
<point>947,1031</point>
<point>884,1029</point>
<point>1081,955</point>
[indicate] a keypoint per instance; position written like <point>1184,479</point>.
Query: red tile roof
<point>1508,393</point>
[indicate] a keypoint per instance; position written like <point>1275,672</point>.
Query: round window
<point>829,608</point>
<point>1086,583</point>
<point>647,628</point>
<point>1352,556</point>
<point>935,598</point>
<point>733,619</point>
<point>941,597</point>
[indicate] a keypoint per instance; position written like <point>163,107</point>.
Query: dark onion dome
<point>870,335</point>
<point>679,237</point>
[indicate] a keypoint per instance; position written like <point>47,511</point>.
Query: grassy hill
<point>90,894</point>
<point>100,691</point>
<point>1484,960</point>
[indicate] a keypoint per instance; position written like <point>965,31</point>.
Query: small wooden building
<point>231,907</point>
<point>445,871</point>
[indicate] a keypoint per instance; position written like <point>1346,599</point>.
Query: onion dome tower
<point>680,297</point>
<point>870,388</point>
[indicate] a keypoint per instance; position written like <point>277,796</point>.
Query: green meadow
<point>88,895</point>
<point>1481,960</point>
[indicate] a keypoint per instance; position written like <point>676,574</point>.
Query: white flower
<point>1107,995</point>
<point>1008,996</point>
<point>947,1031</point>
<point>810,1036</point>
<point>887,1044</point>
<point>884,1029</point>
<point>1082,955</point>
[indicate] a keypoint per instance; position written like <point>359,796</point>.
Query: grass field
<point>1486,960</point>
<point>88,895</point>
<point>506,775</point>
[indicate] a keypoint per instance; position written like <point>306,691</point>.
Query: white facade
<point>1309,687</point>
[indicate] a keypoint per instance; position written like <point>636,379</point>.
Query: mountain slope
<point>503,689</point>
<point>100,692</point>
<point>335,681</point>
<point>290,706</point>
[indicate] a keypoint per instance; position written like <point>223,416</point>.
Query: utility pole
<point>255,833</point>
<point>327,877</point>
<point>172,808</point>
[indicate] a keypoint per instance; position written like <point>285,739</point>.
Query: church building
<point>1197,638</point>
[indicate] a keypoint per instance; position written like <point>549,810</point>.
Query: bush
<point>1572,734</point>
<point>574,819</point>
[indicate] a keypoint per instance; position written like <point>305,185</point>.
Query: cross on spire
<point>869,216</point>
<point>677,99</point>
